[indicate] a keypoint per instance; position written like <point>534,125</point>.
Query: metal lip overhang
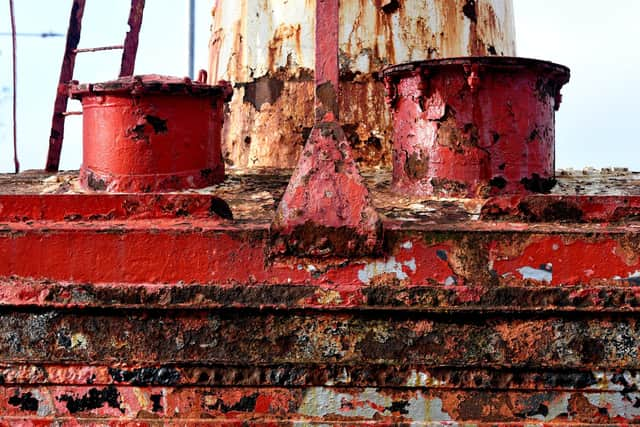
<point>561,72</point>
<point>150,84</point>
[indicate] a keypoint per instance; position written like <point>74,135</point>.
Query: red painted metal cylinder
<point>151,133</point>
<point>474,127</point>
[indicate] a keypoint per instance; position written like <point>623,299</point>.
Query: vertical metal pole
<point>66,74</point>
<point>327,70</point>
<point>128,63</point>
<point>15,88</point>
<point>191,17</point>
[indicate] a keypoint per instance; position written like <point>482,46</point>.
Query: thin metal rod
<point>191,16</point>
<point>41,35</point>
<point>15,88</point>
<point>98,49</point>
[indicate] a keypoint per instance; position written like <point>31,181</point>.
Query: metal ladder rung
<point>98,49</point>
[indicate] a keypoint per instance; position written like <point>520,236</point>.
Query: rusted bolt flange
<point>482,126</point>
<point>151,133</point>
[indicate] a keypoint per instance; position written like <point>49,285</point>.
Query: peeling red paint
<point>572,260</point>
<point>472,127</point>
<point>523,313</point>
<point>337,300</point>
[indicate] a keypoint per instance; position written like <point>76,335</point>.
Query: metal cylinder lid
<point>474,126</point>
<point>151,133</point>
<point>150,84</point>
<point>561,72</point>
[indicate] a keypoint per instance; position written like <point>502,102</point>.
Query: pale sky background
<point>596,125</point>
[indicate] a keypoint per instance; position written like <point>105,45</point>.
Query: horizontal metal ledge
<point>256,338</point>
<point>273,406</point>
<point>316,375</point>
<point>614,298</point>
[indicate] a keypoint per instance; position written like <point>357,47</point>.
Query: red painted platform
<point>173,310</point>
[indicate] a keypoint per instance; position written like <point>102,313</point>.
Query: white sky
<point>596,125</point>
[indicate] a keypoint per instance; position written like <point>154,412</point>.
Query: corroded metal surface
<point>254,193</point>
<point>151,133</point>
<point>474,126</point>
<point>266,49</point>
<point>326,209</point>
<point>164,310</point>
<point>350,406</point>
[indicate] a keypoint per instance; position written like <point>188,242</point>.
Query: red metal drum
<point>474,127</point>
<point>151,133</point>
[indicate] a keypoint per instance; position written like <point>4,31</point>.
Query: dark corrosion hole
<point>498,182</point>
<point>391,6</point>
<point>537,184</point>
<point>206,173</point>
<point>159,125</point>
<point>469,10</point>
<point>137,132</point>
<point>26,401</point>
<point>220,208</point>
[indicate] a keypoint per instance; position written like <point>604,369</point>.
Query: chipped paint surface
<point>538,274</point>
<point>391,266</point>
<point>474,127</point>
<point>471,315</point>
<point>265,48</point>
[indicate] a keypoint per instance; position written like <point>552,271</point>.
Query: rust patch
<point>561,211</point>
<point>448,186</point>
<point>158,125</point>
<point>316,240</point>
<point>94,183</point>
<point>327,98</point>
<point>416,167</point>
<point>266,89</point>
<point>538,184</point>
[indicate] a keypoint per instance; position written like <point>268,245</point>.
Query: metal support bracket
<point>326,210</point>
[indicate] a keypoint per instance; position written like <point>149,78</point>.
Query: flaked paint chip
<point>391,266</point>
<point>538,274</point>
<point>407,245</point>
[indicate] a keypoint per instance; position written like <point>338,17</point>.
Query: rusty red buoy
<point>474,127</point>
<point>151,133</point>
